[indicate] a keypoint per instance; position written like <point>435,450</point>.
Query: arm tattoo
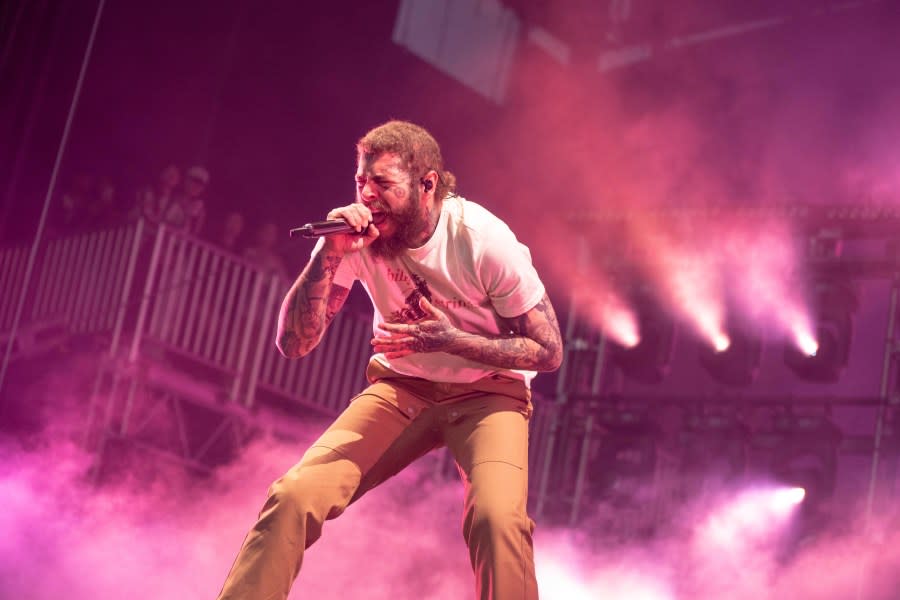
<point>533,342</point>
<point>335,302</point>
<point>310,305</point>
<point>321,267</point>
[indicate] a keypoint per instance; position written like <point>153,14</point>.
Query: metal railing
<point>162,291</point>
<point>80,286</point>
<point>330,375</point>
<point>82,278</point>
<point>12,273</point>
<point>215,308</point>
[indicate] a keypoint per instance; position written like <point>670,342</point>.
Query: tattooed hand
<point>532,342</point>
<point>359,217</point>
<point>433,333</point>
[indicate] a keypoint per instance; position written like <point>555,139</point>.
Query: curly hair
<point>418,151</point>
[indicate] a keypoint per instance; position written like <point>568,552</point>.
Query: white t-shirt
<point>473,269</point>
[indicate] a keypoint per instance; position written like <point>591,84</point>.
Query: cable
<point>50,190</point>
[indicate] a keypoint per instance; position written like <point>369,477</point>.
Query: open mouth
<point>379,217</point>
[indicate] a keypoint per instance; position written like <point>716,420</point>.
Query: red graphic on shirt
<point>418,288</point>
<point>411,311</point>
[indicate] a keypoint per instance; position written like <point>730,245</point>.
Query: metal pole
<point>145,297</point>
<point>890,351</point>
<point>51,188</point>
<point>561,401</point>
<point>571,348</point>
<point>126,289</point>
<point>581,475</point>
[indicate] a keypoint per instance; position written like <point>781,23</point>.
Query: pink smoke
<point>176,537</point>
<point>803,114</point>
<point>62,537</point>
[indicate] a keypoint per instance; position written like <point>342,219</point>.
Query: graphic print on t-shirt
<point>414,288</point>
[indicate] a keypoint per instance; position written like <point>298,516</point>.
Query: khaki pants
<point>391,423</point>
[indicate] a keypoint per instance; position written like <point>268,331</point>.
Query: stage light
<point>754,516</point>
<point>790,496</point>
<point>805,341</point>
<point>625,332</point>
<point>804,456</point>
<point>738,363</point>
<point>647,360</point>
<point>822,354</point>
<point>721,342</point>
<point>620,323</point>
<point>630,340</point>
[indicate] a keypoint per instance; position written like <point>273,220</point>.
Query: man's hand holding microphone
<point>347,229</point>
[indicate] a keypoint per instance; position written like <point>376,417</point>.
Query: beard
<point>409,224</point>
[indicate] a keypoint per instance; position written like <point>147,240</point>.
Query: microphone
<point>320,228</point>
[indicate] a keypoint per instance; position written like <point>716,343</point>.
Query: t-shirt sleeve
<point>509,278</point>
<point>346,271</point>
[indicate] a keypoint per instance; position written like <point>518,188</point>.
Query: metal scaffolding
<point>594,407</point>
<point>182,332</point>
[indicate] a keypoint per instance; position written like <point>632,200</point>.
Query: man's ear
<point>429,182</point>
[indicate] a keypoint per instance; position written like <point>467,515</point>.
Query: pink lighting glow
<point>721,343</point>
<point>751,518</point>
<point>805,341</point>
<point>556,581</point>
<point>788,497</point>
<point>765,263</point>
<point>694,288</point>
<point>620,324</point>
<point>607,311</point>
<point>564,574</point>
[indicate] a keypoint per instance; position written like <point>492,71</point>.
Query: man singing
<point>462,324</point>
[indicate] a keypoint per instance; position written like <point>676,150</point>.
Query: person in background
<point>196,184</point>
<point>181,208</point>
<point>159,204</point>
<point>231,231</point>
<point>88,205</point>
<point>264,254</point>
<point>103,210</point>
<point>71,212</point>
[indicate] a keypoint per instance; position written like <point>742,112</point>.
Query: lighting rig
<point>722,427</point>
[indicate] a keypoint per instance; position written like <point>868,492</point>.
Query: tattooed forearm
<point>310,305</point>
<point>532,342</point>
<point>288,343</point>
<point>335,302</point>
<point>538,350</point>
<point>322,266</point>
